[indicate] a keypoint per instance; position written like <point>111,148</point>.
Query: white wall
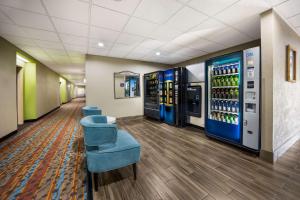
<point>283,97</point>
<point>100,84</point>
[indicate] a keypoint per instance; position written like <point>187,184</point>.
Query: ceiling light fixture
<point>157,53</point>
<point>100,44</point>
<point>84,80</point>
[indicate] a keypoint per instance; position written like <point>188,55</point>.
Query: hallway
<point>44,160</point>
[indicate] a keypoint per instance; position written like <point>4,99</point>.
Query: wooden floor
<point>184,164</point>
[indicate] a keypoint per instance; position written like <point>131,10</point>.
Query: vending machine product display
<point>232,101</point>
<point>165,96</point>
<point>169,110</point>
<point>153,91</point>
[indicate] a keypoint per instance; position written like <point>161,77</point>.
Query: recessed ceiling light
<point>157,53</point>
<point>100,44</point>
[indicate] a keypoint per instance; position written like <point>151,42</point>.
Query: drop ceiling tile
<point>97,51</point>
<point>82,49</point>
<point>29,5</point>
<point>69,27</point>
<point>242,10</point>
<point>211,7</point>
<point>229,37</point>
<point>206,46</point>
<point>55,52</point>
<point>11,29</point>
<point>4,19</point>
<point>41,35</point>
<point>170,47</point>
<point>135,55</point>
<point>74,40</point>
<point>18,40</point>
<point>295,21</point>
<point>185,19</point>
<point>93,43</point>
<point>103,34</point>
<point>157,11</point>
<point>139,27</point>
<point>122,47</point>
<point>108,19</point>
<point>141,50</point>
<point>208,27</point>
<point>124,6</point>
<point>117,53</point>
<point>28,19</point>
<point>68,9</point>
<point>289,8</point>
<point>151,44</point>
<point>78,60</point>
<point>250,26</point>
<point>165,33</point>
<point>129,39</point>
<point>50,45</point>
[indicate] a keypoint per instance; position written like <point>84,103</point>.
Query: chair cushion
<point>126,151</point>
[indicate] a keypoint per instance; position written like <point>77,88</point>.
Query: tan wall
<point>281,98</point>
<point>47,90</point>
<point>100,84</point>
<point>267,82</point>
<point>46,94</point>
<point>8,108</point>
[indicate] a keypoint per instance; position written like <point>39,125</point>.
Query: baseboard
<point>266,156</point>
<point>285,146</point>
<point>8,136</point>
<point>272,157</point>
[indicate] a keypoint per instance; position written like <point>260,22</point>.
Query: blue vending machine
<point>232,100</point>
<point>169,111</point>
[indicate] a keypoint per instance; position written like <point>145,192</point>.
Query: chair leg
<point>134,170</point>
<point>96,181</point>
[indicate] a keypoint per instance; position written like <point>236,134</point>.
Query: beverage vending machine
<point>175,96</point>
<point>233,98</point>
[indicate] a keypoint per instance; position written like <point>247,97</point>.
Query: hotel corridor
<point>45,159</point>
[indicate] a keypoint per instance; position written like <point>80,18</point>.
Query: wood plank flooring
<point>185,164</point>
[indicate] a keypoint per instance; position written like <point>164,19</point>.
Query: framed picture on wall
<point>291,65</point>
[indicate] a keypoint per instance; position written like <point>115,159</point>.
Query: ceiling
<point>60,32</point>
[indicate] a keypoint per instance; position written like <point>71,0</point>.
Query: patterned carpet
<point>45,160</point>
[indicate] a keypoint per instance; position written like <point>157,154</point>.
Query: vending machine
<point>169,111</point>
<point>233,98</point>
<point>153,95</point>
<point>175,96</point>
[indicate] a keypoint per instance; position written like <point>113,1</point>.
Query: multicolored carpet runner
<point>45,160</point>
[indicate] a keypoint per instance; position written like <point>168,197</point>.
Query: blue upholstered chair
<point>108,148</point>
<point>91,110</point>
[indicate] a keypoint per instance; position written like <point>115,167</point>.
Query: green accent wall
<point>63,90</point>
<point>30,91</point>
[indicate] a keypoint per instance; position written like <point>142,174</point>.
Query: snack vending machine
<point>153,95</point>
<point>233,98</point>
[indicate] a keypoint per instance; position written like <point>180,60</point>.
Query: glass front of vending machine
<point>224,97</point>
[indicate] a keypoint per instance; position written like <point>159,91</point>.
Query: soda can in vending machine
<point>224,69</point>
<point>229,106</point>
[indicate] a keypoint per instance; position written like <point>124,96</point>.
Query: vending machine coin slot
<point>251,107</point>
